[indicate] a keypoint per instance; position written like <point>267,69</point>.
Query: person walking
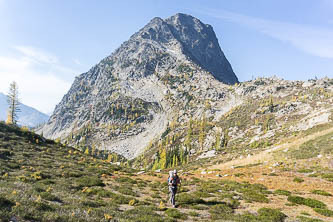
<point>173,182</point>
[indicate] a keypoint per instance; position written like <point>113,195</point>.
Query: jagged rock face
<point>201,45</point>
<point>127,100</point>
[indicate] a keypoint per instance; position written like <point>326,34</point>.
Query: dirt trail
<point>267,155</point>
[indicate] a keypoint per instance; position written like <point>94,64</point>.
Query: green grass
<point>312,148</point>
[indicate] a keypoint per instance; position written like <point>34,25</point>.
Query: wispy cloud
<point>314,40</point>
<point>37,55</point>
<point>38,74</point>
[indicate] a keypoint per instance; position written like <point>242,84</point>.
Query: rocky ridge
<point>152,94</point>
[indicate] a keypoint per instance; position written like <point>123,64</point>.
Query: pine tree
<point>218,140</point>
<point>226,138</point>
<point>163,159</point>
<point>188,139</point>
<point>14,104</point>
<point>173,161</point>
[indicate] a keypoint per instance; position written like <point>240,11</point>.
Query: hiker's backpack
<point>173,180</point>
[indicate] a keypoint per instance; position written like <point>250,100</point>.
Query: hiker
<point>173,182</point>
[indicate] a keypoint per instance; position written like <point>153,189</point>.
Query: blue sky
<point>44,44</point>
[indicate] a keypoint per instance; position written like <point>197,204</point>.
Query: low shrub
<point>325,212</point>
<point>298,180</point>
<point>308,219</point>
<point>126,190</point>
<point>49,196</point>
<point>126,180</point>
<point>221,211</point>
<point>193,214</point>
<point>143,213</point>
<point>321,192</point>
<point>93,204</point>
<point>88,181</point>
<point>327,176</point>
<point>252,195</point>
<point>305,171</point>
<point>174,213</point>
<point>40,206</point>
<point>273,215</point>
<point>188,198</point>
<point>282,192</point>
<point>307,202</point>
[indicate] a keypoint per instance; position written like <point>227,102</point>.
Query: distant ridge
<point>28,116</point>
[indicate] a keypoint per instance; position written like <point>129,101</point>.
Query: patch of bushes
<point>89,181</point>
<point>327,176</point>
<point>253,195</point>
<point>269,214</point>
<point>193,214</point>
<point>174,213</point>
<point>306,201</point>
<point>40,206</point>
<point>209,187</point>
<point>127,190</point>
<point>298,180</point>
<point>126,180</point>
<point>321,192</point>
<point>143,213</point>
<point>325,212</point>
<point>305,171</point>
<point>188,199</point>
<point>282,192</point>
<point>49,196</point>
<point>308,219</point>
<point>93,204</point>
<point>221,211</point>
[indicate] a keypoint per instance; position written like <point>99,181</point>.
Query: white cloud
<point>316,41</point>
<point>37,74</point>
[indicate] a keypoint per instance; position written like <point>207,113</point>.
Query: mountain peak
<point>182,17</point>
<point>127,99</point>
<point>196,40</point>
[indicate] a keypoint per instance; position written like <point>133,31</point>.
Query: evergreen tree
<point>14,104</point>
<point>218,140</point>
<point>163,159</point>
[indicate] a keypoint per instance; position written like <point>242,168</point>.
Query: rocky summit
<point>127,100</point>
